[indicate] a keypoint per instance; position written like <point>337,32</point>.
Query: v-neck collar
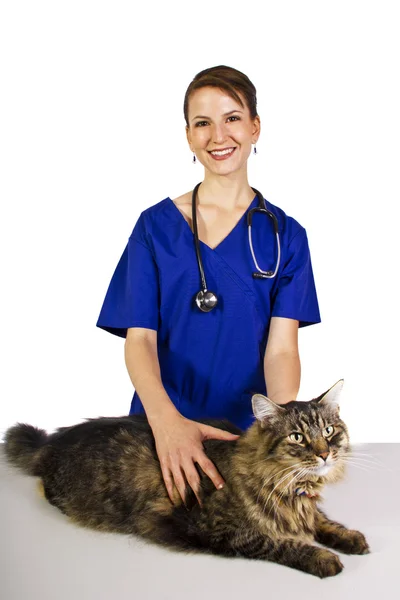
<point>231,232</point>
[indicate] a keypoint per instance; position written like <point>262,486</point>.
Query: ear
<point>188,136</point>
<point>264,409</point>
<point>256,128</point>
<point>332,395</point>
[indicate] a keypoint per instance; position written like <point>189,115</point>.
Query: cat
<point>105,474</point>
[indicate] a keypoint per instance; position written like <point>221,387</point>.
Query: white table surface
<point>44,556</point>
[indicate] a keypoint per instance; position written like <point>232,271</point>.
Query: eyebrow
<point>224,115</point>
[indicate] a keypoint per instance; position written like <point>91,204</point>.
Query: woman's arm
<point>141,360</point>
<point>282,369</point>
<point>179,441</point>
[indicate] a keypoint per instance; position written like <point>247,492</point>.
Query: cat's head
<point>310,435</point>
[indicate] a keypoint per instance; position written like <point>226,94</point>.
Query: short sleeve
<point>296,296</point>
<point>132,298</point>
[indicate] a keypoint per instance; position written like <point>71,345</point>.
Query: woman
<point>188,362</point>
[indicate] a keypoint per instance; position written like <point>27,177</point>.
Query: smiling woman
<point>221,130</point>
<point>185,364</point>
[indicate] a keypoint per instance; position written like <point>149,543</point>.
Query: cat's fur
<point>104,473</point>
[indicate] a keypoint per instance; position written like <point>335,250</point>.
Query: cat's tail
<point>22,443</point>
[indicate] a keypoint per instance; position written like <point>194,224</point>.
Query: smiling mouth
<point>223,152</point>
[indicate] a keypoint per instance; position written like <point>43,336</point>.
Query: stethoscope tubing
<point>196,239</point>
<point>205,299</point>
<point>260,274</point>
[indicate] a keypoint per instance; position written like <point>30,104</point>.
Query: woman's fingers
<point>179,480</point>
<point>192,477</point>
<point>213,433</point>
<point>169,484</point>
<point>180,484</point>
<point>173,477</point>
<point>179,446</point>
<point>210,469</point>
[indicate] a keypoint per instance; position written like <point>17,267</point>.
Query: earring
<point>254,149</point>
<point>194,159</point>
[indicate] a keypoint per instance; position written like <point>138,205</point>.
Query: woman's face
<point>218,122</point>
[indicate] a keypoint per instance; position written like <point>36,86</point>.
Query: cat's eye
<point>328,431</point>
<point>296,437</point>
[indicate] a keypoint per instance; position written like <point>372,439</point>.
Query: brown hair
<point>228,79</point>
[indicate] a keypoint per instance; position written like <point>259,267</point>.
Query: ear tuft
<point>332,395</point>
<point>264,408</point>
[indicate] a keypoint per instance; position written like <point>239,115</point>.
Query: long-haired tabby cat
<point>104,473</point>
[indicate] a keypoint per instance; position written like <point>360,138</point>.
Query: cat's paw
<point>353,542</point>
<point>325,564</point>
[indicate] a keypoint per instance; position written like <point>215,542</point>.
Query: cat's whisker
<point>370,454</point>
<point>269,479</point>
<point>362,454</point>
<point>280,481</point>
<point>280,495</point>
<point>352,462</point>
<point>370,458</point>
<point>267,500</point>
<point>282,470</point>
<point>277,484</point>
<point>359,461</point>
<point>275,475</point>
<point>362,467</point>
<point>355,453</point>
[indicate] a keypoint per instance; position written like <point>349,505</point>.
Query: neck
<point>225,192</point>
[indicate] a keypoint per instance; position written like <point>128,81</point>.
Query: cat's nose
<point>324,455</point>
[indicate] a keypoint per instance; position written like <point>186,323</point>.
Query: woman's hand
<point>179,446</point>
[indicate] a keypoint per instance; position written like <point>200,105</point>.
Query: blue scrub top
<point>211,363</point>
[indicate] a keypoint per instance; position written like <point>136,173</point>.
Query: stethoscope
<point>206,299</point>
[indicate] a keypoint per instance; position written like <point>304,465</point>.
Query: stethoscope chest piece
<point>206,300</point>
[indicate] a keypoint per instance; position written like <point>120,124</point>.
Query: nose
<point>324,455</point>
<point>218,133</point>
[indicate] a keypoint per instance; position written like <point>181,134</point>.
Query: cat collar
<point>304,493</point>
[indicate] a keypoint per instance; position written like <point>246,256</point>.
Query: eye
<point>328,431</point>
<point>296,437</point>
<point>203,123</point>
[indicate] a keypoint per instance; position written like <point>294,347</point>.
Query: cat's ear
<point>265,409</point>
<point>332,395</point>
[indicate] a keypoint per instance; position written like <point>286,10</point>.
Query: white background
<point>92,133</point>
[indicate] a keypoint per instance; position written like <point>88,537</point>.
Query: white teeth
<point>222,152</point>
